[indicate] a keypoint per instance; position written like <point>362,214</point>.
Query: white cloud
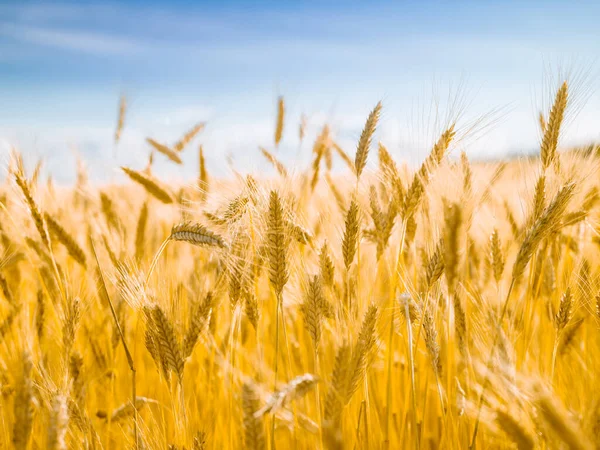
<point>72,39</point>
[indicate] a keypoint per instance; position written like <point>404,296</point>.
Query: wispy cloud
<point>71,39</point>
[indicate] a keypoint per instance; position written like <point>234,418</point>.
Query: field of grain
<point>372,306</point>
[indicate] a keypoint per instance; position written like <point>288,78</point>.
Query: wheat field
<point>453,305</point>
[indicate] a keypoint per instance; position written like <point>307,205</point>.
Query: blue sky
<point>63,66</point>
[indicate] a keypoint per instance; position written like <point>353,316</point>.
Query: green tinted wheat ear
<point>280,120</point>
<point>187,137</point>
<point>277,241</point>
<point>254,434</point>
<point>552,129</point>
<point>151,185</point>
<point>362,150</point>
<point>351,232</point>
<point>66,239</point>
<point>196,234</point>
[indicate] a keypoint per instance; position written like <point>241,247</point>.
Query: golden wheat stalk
<point>295,389</point>
<point>362,150</point>
<point>552,129</point>
<point>280,121</point>
<point>254,434</point>
<point>203,174</point>
<point>161,148</point>
<point>187,137</point>
<point>196,234</point>
<point>274,162</point>
<point>121,118</point>
<point>66,239</point>
<point>151,185</point>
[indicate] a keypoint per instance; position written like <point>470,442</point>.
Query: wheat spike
<point>161,148</point>
<point>166,341</point>
<point>5,288</point>
<point>196,234</point>
<point>151,185</point>
<point>564,310</point>
<point>66,239</point>
<point>453,218</point>
<point>203,174</point>
<point>280,120</point>
<point>546,224</point>
<point>312,309</point>
<point>342,154</point>
<point>34,210</point>
<point>555,416</point>
<point>40,314</point>
<point>496,256</point>
<point>199,317</point>
<point>140,233</point>
<point>254,437</point>
<point>126,410</point>
<point>552,129</point>
<point>431,341</point>
<point>351,232</point>
<point>277,241</point>
<point>515,430</point>
<point>59,420</point>
<point>23,405</point>
<point>435,265</point>
<point>274,162</point>
<point>121,118</point>
<point>362,353</point>
<point>295,389</point>
<point>362,150</point>
<point>326,265</point>
<point>187,137</point>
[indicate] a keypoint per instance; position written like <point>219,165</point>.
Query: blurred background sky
<point>64,65</point>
